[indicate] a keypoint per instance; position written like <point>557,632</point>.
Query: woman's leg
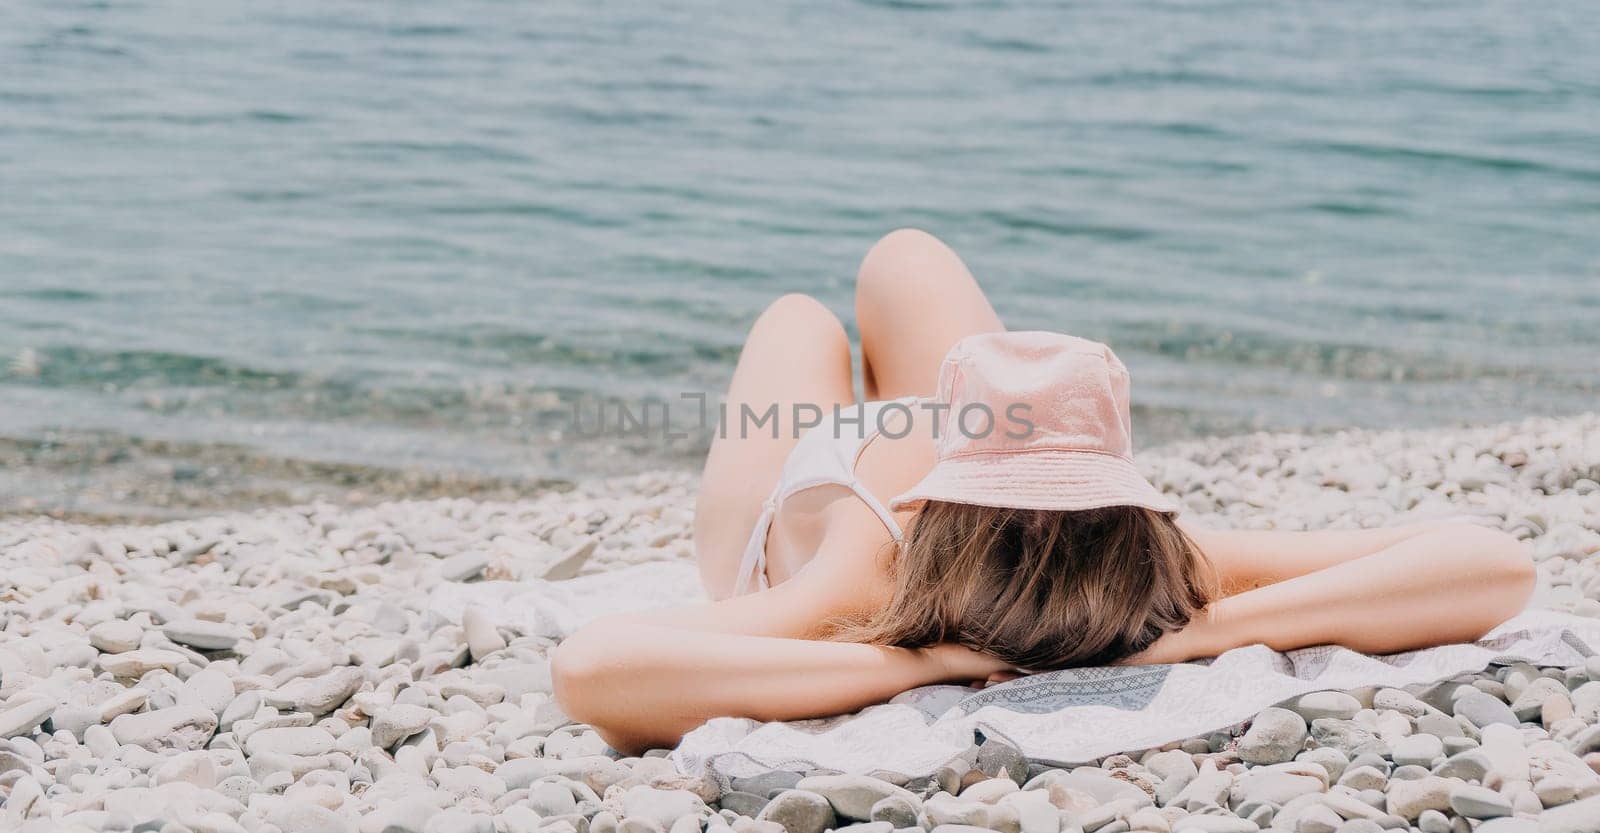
<point>797,352</point>
<point>914,300</point>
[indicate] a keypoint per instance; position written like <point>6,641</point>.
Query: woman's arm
<point>645,685</point>
<point>1429,586</point>
<point>643,680</point>
<point>1248,558</point>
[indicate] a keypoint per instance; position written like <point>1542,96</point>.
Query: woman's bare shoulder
<point>899,456</point>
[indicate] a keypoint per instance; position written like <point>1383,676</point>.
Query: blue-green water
<point>407,234</point>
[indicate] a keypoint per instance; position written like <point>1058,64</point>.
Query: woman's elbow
<point>1515,565</point>
<point>586,674</point>
<point>581,672</point>
<point>1510,561</point>
<point>1499,565</point>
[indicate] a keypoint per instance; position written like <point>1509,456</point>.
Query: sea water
<point>426,235</point>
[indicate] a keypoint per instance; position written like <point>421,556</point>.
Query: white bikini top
<point>824,455</point>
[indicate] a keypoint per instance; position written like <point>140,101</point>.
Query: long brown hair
<point>1040,589</point>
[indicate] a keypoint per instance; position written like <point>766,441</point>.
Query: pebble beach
<point>281,672</point>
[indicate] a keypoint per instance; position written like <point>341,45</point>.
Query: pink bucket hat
<point>1037,420</point>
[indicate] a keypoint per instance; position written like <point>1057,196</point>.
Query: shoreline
<point>1169,465</point>
<point>99,479</point>
<point>280,669</point>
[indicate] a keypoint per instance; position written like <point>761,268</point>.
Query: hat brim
<point>1046,479</point>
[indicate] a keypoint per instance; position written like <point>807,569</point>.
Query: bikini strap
<point>878,509</point>
<point>866,495</point>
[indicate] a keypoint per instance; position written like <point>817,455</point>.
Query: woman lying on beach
<point>979,516</point>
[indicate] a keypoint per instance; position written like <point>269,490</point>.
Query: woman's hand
<point>960,664</point>
<point>999,677</point>
<point>1171,647</point>
<point>1202,637</point>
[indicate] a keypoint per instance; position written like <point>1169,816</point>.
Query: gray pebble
<point>116,636</point>
<point>768,783</point>
<point>1347,736</point>
<point>996,758</point>
<point>743,803</point>
<point>799,811</point>
<point>896,811</point>
<point>320,694</point>
<point>1471,765</point>
<point>1433,821</point>
<point>203,635</point>
<point>548,798</point>
<point>1318,819</point>
<point>1275,736</point>
<point>1363,778</point>
<point>660,807</point>
<point>1478,802</point>
<point>178,728</point>
<point>1408,798</point>
<point>1417,750</point>
<point>22,718</point>
<point>398,722</point>
<point>1483,710</point>
<point>208,688</point>
<point>1325,704</point>
<point>1270,786</point>
<point>854,796</point>
<point>1393,699</point>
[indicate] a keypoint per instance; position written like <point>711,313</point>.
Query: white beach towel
<point>557,608</point>
<point>1061,717</point>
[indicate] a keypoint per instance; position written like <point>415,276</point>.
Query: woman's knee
<point>799,313</point>
<point>899,261</point>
